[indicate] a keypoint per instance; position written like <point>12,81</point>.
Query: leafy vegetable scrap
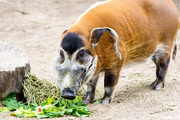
<point>49,108</point>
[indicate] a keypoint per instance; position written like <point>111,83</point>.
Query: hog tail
<point>174,50</point>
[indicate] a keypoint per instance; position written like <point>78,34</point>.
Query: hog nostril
<point>69,97</point>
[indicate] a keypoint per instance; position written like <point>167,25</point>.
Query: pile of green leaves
<point>49,108</point>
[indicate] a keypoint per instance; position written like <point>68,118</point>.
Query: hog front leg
<point>91,88</point>
<point>110,82</point>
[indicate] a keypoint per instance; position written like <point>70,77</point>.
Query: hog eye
<point>81,53</point>
<point>61,53</point>
<point>61,58</point>
<point>83,56</point>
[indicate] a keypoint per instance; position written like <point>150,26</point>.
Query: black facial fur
<point>71,42</point>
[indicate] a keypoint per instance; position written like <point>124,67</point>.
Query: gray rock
<point>13,65</point>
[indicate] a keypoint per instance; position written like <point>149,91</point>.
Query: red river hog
<point>110,35</point>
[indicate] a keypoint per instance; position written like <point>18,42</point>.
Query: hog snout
<point>68,94</point>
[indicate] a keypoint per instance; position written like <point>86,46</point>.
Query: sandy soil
<point>36,26</point>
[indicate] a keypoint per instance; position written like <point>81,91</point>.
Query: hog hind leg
<point>91,88</point>
<point>161,58</point>
<point>110,82</point>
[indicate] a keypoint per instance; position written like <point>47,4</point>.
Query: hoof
<point>153,84</point>
<point>85,101</point>
<point>163,85</point>
<point>157,87</point>
<point>106,101</point>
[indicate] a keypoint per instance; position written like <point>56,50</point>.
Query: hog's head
<point>75,65</point>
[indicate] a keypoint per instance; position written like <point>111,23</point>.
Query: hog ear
<point>64,31</point>
<point>96,34</point>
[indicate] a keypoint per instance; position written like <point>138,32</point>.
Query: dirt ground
<point>36,26</point>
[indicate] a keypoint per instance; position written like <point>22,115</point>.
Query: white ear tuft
<point>113,33</point>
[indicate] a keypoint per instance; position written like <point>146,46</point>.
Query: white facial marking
<point>67,81</point>
<point>92,70</point>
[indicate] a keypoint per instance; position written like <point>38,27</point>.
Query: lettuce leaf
<point>4,109</point>
<point>97,102</point>
<point>49,108</point>
<point>23,112</point>
<point>10,101</point>
<point>48,101</point>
